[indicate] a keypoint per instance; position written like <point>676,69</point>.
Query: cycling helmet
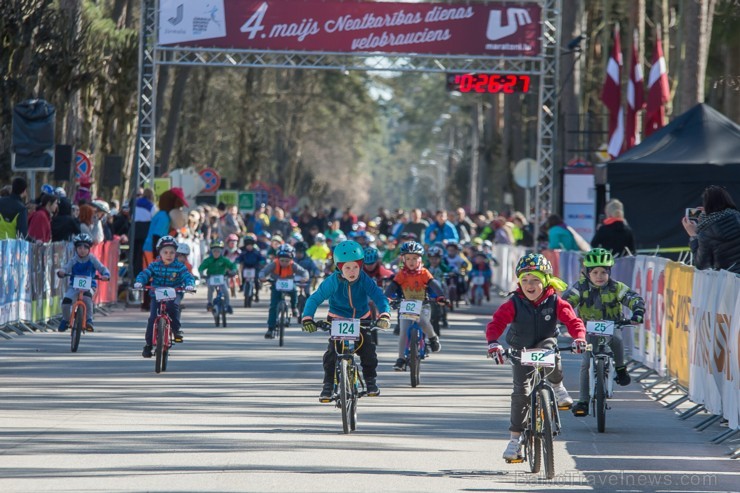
<point>183,248</point>
<point>82,239</point>
<point>488,244</point>
<point>477,241</point>
<point>296,237</point>
<point>412,247</point>
<point>301,246</point>
<point>101,205</point>
<point>285,251</point>
<point>60,192</point>
<point>371,255</point>
<point>232,237</point>
<point>533,262</point>
<point>166,241</point>
<point>452,243</point>
<point>320,238</point>
<point>348,251</point>
<point>47,189</point>
<point>277,238</point>
<point>217,244</point>
<point>598,257</point>
<point>249,240</point>
<point>435,251</point>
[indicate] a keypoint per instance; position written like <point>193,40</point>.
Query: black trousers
<point>366,352</point>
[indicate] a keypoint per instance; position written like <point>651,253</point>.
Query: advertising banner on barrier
<point>679,284</point>
<point>731,384</point>
<point>490,29</point>
<point>504,275</point>
<point>570,266</point>
<point>649,281</point>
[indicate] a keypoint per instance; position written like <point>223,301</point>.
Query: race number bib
<point>82,283</point>
<point>165,294</point>
<point>345,328</point>
<point>284,284</point>
<point>216,280</point>
<point>538,357</point>
<point>410,309</point>
<point>600,327</point>
<point>479,281</point>
<point>249,273</point>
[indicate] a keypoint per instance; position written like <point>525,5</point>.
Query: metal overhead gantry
<point>545,67</point>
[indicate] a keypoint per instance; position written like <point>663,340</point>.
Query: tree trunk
<point>182,75</point>
<point>696,26</point>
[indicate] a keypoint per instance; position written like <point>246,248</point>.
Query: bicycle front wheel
<point>223,318</point>
<point>283,321</point>
<point>345,396</point>
<point>600,396</point>
<point>160,328</point>
<point>77,329</point>
<point>546,410</point>
<point>355,398</point>
<point>216,312</point>
<point>414,359</point>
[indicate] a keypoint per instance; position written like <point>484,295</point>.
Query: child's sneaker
<point>147,352</point>
<point>513,449</point>
<point>561,395</point>
<point>435,344</point>
<point>326,393</point>
<point>90,327</point>
<point>400,364</point>
<point>580,409</point>
<point>229,310</point>
<point>179,336</point>
<point>62,325</point>
<point>270,334</point>
<point>372,388</point>
<point>622,377</point>
<point>209,307</point>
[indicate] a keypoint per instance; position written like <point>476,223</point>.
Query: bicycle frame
<point>603,351</point>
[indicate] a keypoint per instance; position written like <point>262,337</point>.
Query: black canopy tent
<point>658,179</point>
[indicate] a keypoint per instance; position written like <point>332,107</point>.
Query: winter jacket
<point>603,303</point>
<point>64,226</point>
<point>560,238</point>
<point>616,236</point>
<point>216,266</point>
<point>414,285</point>
<point>347,299</point>
<point>175,274</point>
<point>717,241</point>
<point>12,208</point>
<point>446,231</point>
<point>85,268</point>
<point>39,225</point>
<point>250,260</point>
<point>274,271</point>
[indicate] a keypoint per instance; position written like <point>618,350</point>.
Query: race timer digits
<point>488,83</point>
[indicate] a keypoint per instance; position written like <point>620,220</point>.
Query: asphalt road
<point>237,413</point>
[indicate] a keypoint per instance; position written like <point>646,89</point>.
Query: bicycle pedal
<point>518,460</point>
<point>565,407</point>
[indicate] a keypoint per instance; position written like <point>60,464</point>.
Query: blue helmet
<point>412,247</point>
<point>371,255</point>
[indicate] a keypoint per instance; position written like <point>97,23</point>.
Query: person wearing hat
<point>84,191</point>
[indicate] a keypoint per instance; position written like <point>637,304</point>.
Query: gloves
<point>441,300</point>
<point>579,346</point>
<point>309,325</point>
<point>190,289</point>
<point>496,352</point>
<point>138,285</point>
<point>60,273</point>
<point>105,278</point>
<point>383,323</point>
<point>637,318</point>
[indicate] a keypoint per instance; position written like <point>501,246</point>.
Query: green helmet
<point>348,251</point>
<point>598,257</point>
<point>217,244</point>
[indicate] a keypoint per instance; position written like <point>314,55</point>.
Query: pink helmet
<point>232,237</point>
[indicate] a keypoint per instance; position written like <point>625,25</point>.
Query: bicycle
<point>218,309</point>
<point>542,421</point>
<point>453,291</point>
<point>78,313</point>
<point>599,334</point>
<point>285,287</point>
<point>416,346</point>
<point>349,385</point>
<point>478,291</point>
<point>249,285</point>
<point>162,335</point>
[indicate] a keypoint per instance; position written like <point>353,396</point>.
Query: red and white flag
<point>635,98</point>
<point>611,96</point>
<point>658,91</point>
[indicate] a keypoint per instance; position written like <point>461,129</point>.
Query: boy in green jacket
<point>217,265</point>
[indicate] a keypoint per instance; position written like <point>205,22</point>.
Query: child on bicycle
<point>374,268</point>
<point>533,312</point>
<point>283,267</point>
<point>348,290</point>
<point>231,252</point>
<point>82,264</point>
<point>307,263</point>
<point>415,282</point>
<point>217,265</point>
<point>165,272</point>
<point>251,258</point>
<point>183,253</point>
<point>596,296</point>
<point>481,270</point>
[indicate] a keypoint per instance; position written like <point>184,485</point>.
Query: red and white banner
<point>611,96</point>
<point>635,97</point>
<point>492,29</point>
<point>658,91</point>
<point>649,343</point>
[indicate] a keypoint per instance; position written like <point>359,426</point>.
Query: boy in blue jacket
<point>348,290</point>
<point>165,272</point>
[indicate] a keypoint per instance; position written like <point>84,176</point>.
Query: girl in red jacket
<point>533,312</point>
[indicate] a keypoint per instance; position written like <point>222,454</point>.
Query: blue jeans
<point>173,310</point>
<point>275,297</point>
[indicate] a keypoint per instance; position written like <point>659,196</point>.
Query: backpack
<point>8,229</point>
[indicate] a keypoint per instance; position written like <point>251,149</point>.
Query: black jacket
<point>616,237</point>
<point>717,243</point>
<point>63,225</point>
<point>13,206</point>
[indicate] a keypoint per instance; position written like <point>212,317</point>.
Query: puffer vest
<point>532,324</point>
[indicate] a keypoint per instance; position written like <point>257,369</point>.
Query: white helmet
<point>183,248</point>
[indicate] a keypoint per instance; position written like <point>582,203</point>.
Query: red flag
<point>635,98</point>
<point>658,91</point>
<point>611,96</point>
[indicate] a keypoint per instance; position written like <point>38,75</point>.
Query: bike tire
<point>600,396</point>
<point>345,396</point>
<point>165,358</point>
<point>216,313</point>
<point>247,295</point>
<point>282,321</point>
<point>355,398</point>
<point>77,328</point>
<point>548,455</point>
<point>414,357</point>
<point>223,318</point>
<point>160,349</point>
<point>533,441</point>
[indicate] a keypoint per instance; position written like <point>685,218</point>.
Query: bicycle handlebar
<point>152,288</point>
<point>368,324</point>
<point>96,277</point>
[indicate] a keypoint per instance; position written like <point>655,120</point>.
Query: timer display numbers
<point>488,83</point>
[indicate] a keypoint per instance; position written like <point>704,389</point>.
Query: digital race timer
<point>488,83</point>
